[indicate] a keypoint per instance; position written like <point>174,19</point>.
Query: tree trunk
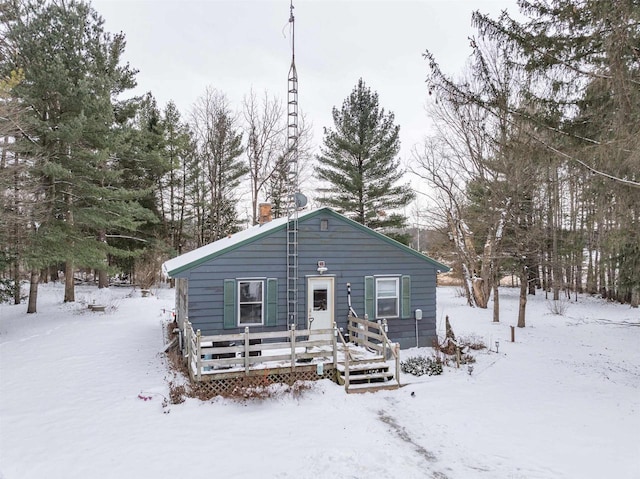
<point>579,287</point>
<point>635,296</point>
<point>556,264</point>
<point>33,292</point>
<point>16,282</point>
<point>69,283</point>
<point>479,292</point>
<point>53,273</point>
<point>532,279</point>
<point>523,297</point>
<point>496,303</point>
<point>103,279</point>
<point>467,284</point>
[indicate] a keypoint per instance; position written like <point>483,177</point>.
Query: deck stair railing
<point>369,373</point>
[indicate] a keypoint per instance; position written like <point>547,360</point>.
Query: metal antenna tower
<point>292,179</point>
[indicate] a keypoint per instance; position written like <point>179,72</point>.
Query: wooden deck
<point>286,356</point>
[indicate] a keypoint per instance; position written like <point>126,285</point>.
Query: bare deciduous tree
<point>265,127</point>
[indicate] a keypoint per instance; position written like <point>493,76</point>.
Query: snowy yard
<point>563,401</point>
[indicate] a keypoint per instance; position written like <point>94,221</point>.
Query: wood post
<point>292,333</point>
<point>397,355</point>
<point>513,334</point>
<point>346,370</point>
<point>335,345</point>
<point>187,348</point>
<point>198,356</point>
<point>246,350</point>
<point>384,342</point>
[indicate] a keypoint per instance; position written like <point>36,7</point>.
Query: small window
<point>250,300</point>
<point>324,225</point>
<point>387,294</point>
<point>320,300</point>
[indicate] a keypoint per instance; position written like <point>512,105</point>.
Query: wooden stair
<point>366,375</point>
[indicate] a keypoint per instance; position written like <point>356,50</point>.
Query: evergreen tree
<point>219,168</point>
<point>73,76</point>
<point>172,186</point>
<point>14,195</point>
<point>139,159</point>
<point>359,161</point>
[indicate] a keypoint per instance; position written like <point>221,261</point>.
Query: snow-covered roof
<point>230,241</point>
<point>197,256</point>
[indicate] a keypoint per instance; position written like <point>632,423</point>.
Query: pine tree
<point>172,186</point>
<point>14,195</point>
<point>359,161</point>
<point>218,169</point>
<point>72,77</point>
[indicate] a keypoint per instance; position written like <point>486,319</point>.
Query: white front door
<point>320,303</point>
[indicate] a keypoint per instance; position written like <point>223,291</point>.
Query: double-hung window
<point>387,297</point>
<point>250,302</point>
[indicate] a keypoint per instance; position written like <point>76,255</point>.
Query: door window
<point>320,299</point>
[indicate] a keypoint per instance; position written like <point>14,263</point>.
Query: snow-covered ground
<point>563,401</point>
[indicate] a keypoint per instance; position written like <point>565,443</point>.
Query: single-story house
<point>241,281</point>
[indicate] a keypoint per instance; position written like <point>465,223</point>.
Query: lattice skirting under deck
<point>210,388</point>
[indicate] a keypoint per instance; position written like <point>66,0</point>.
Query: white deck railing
<point>247,351</point>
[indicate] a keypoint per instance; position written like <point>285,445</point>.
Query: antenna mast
<point>292,179</point>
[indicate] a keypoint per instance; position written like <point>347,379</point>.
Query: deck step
<point>367,376</point>
<point>371,388</point>
<point>362,368</point>
<point>370,377</point>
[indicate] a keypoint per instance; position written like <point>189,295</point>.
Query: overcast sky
<point>181,47</point>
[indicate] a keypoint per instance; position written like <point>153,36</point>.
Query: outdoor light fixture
<point>322,268</point>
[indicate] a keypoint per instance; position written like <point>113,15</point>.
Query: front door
<point>320,303</point>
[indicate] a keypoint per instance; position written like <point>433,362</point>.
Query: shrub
<point>472,342</point>
<point>558,307</point>
<point>421,365</point>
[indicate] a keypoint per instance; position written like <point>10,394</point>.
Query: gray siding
<point>350,254</point>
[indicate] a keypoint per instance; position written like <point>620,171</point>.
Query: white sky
<point>181,47</point>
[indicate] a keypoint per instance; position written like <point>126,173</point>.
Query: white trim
<point>397,296</point>
<point>262,301</point>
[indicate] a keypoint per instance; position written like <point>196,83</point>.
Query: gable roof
<point>212,250</point>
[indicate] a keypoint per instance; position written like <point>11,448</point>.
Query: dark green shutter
<point>230,320</point>
<point>405,306</point>
<point>369,298</point>
<point>271,317</point>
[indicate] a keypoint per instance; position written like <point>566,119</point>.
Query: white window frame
<point>395,279</point>
<point>261,302</point>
